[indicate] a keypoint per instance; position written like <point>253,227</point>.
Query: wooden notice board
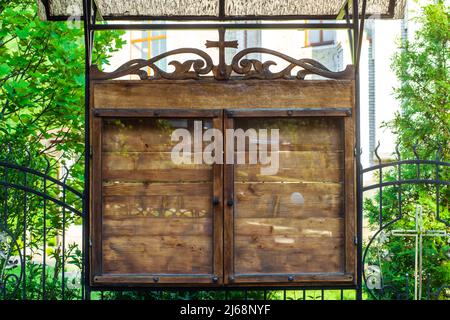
<point>158,223</point>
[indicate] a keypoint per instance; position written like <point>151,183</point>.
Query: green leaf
<point>4,70</point>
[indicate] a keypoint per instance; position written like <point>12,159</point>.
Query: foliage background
<point>42,126</point>
<point>423,131</point>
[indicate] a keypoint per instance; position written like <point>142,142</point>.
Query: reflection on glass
<point>157,215</point>
<point>292,222</point>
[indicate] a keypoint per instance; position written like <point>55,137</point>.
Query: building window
<point>314,38</point>
<point>151,44</point>
<point>246,39</point>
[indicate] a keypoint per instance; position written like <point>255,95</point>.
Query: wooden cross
<point>419,233</point>
<point>222,45</point>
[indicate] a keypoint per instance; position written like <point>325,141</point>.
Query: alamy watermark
<point>190,149</point>
<point>74,13</point>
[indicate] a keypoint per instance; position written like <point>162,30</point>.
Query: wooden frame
<point>225,101</point>
<point>233,94</point>
<point>348,276</point>
<point>98,277</point>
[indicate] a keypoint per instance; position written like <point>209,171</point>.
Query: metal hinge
<point>355,240</point>
<point>90,243</point>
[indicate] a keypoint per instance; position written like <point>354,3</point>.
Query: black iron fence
<point>38,260</point>
<point>409,207</point>
<point>41,236</point>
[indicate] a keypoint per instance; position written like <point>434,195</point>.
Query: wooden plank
<point>311,227</point>
<point>119,226</point>
<point>310,145</point>
<point>350,199</point>
<point>228,196</point>
<point>314,190</point>
<point>289,113</point>
<point>250,261</point>
<point>95,231</point>
<point>146,246</point>
<point>223,94</point>
<point>149,280</point>
<point>273,206</point>
<point>288,200</point>
<point>154,189</point>
<point>304,279</point>
<point>310,134</point>
<point>288,254</point>
<point>285,210</point>
<point>253,173</point>
<point>145,161</point>
<point>158,175</point>
<point>157,113</point>
<point>304,245</point>
<point>294,166</point>
<point>157,206</point>
<point>296,159</point>
<point>151,167</point>
<point>218,205</point>
<point>144,134</point>
<point>177,261</point>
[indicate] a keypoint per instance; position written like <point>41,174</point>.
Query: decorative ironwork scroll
<point>240,66</point>
<point>190,69</point>
<point>255,69</point>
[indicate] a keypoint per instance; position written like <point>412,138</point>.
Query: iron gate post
<point>88,42</point>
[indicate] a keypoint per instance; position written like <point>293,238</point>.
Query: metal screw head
<point>290,112</point>
<point>156,113</point>
<point>215,279</point>
<point>230,202</point>
<point>155,279</point>
<point>291,278</point>
<point>231,278</point>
